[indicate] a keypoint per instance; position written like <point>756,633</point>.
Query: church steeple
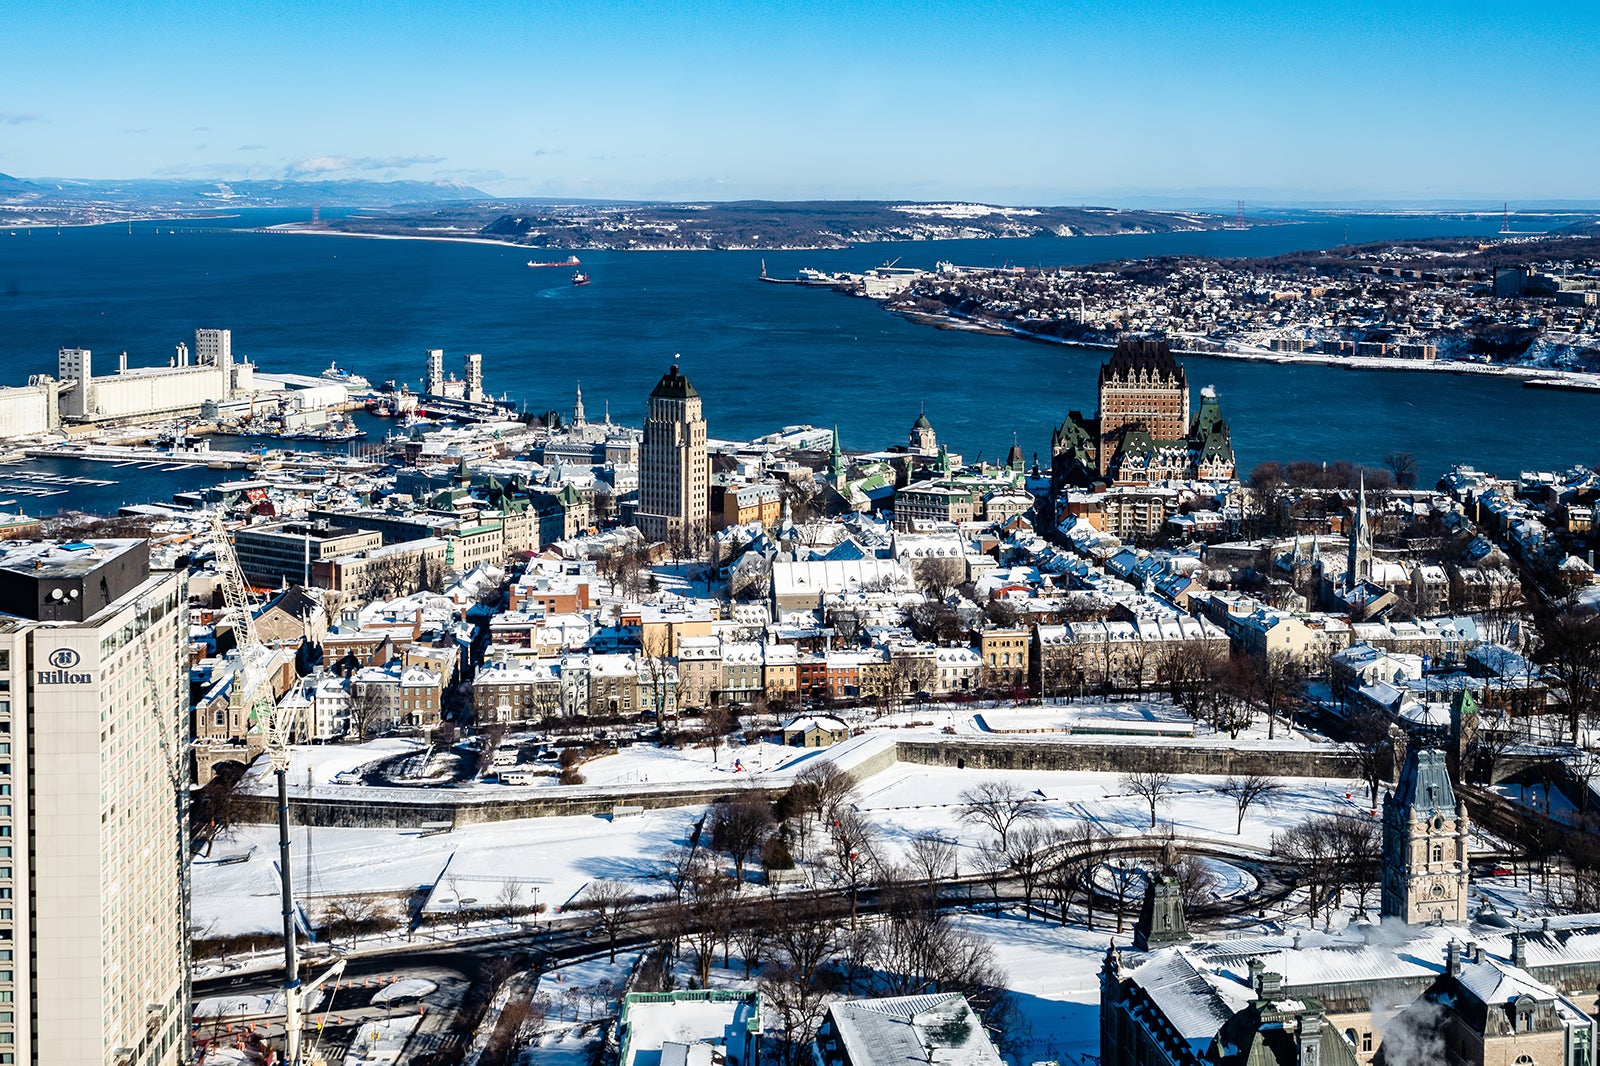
<point>577,408</point>
<point>836,467</point>
<point>1358,567</point>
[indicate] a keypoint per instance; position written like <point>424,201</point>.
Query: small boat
<point>580,278</point>
<point>569,261</point>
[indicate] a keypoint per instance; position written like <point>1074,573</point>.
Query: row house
<point>388,569</point>
<point>713,670</point>
<point>855,674</point>
<point>935,669</point>
<point>319,708</point>
<point>626,684</point>
<point>399,695</point>
<point>1116,652</point>
<point>510,691</point>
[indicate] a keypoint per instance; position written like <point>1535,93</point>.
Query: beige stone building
<point>1005,656</point>
<point>93,839</point>
<point>674,471</point>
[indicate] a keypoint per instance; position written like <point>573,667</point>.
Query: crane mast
<point>254,693</point>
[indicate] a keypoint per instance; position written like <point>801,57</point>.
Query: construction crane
<point>255,693</point>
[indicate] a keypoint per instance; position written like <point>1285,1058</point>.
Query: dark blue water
<point>762,355</point>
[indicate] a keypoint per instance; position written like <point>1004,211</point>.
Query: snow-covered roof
<point>937,1027</point>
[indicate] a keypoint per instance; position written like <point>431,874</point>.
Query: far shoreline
<point>996,327</point>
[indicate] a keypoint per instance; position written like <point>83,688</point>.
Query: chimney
<point>1269,985</point>
<point>1256,967</point>
<point>1309,1042</point>
<point>1452,958</point>
<point>1519,950</point>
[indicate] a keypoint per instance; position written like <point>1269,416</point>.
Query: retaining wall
<point>355,807</point>
<point>1186,758</point>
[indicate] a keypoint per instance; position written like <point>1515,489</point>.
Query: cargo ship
<point>569,261</point>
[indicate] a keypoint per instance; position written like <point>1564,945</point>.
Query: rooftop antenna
<point>1505,217</point>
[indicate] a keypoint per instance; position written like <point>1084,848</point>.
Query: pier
<point>146,458</point>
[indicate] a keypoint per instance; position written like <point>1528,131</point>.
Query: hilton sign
<point>63,660</point>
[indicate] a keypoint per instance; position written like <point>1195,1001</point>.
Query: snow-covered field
<point>553,858</point>
<point>906,800</point>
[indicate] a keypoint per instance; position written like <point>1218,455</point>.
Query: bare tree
<point>1373,744</point>
<point>509,897</point>
<point>1313,847</point>
<point>1197,881</point>
<point>718,721</point>
<point>1124,872</point>
<point>1028,852</point>
<point>681,867</point>
<point>363,711</point>
<point>613,904</point>
<point>1189,669</point>
<point>1357,843</point>
<point>709,908</point>
<point>992,864</point>
<point>938,578</point>
<point>1568,645</point>
<point>1151,782</point>
<point>932,858</point>
<point>1249,790</point>
<point>805,938</point>
<point>1075,851</point>
<point>354,913</point>
<point>820,791</point>
<point>1404,467</point>
<point>752,937</point>
<point>998,805</point>
<point>851,859</point>
<point>916,953</point>
<point>739,827</point>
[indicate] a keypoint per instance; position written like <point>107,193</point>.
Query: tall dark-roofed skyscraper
<point>674,474</point>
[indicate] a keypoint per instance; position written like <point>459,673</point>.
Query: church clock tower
<point>1424,844</point>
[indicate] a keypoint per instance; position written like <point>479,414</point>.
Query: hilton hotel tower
<point>94,960</point>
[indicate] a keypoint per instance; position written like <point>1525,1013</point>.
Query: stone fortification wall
<point>977,753</point>
<point>386,809</point>
<point>355,806</point>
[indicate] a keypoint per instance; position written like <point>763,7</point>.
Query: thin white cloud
<point>332,164</point>
<point>19,118</point>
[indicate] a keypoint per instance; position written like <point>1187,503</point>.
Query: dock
<point>145,458</point>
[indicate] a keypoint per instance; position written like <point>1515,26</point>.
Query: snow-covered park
<point>554,858</point>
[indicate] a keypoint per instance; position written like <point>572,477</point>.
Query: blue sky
<point>1025,103</point>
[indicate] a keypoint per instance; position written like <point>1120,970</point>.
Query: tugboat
<point>580,278</point>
